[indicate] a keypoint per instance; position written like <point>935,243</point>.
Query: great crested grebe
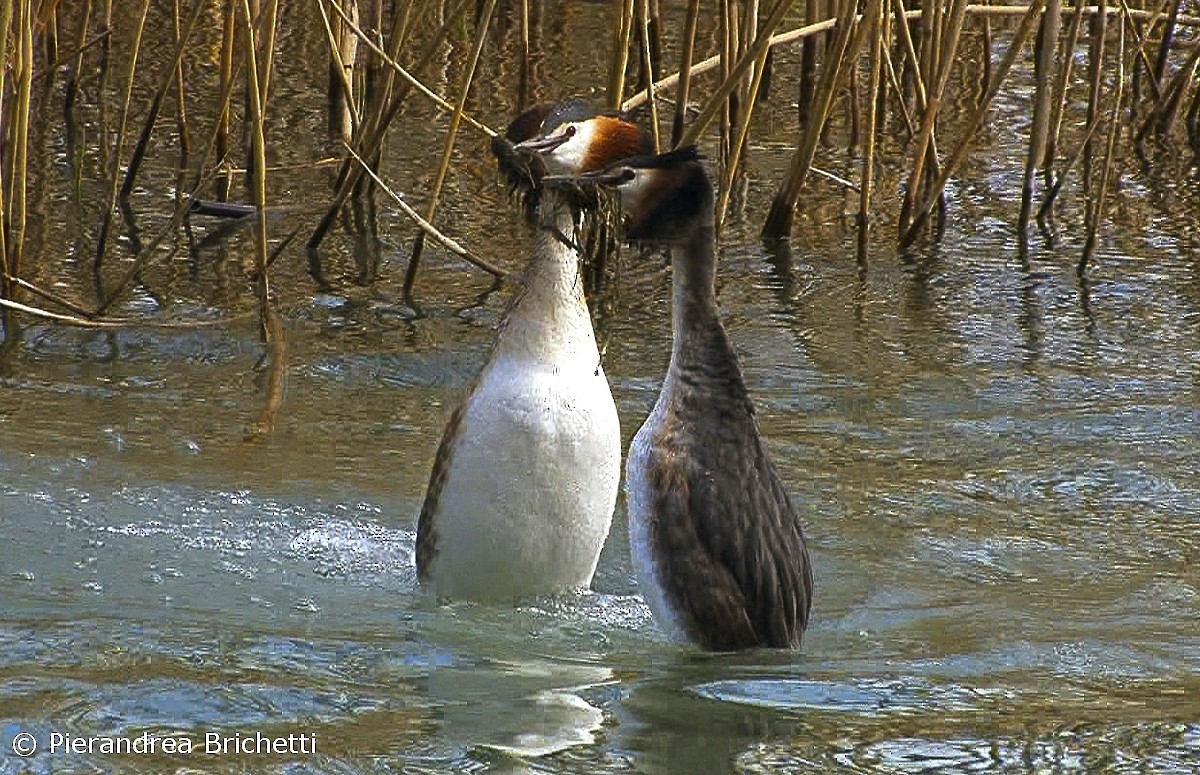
<point>716,543</point>
<point>564,138</point>
<point>525,479</point>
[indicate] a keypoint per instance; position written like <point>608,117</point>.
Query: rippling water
<point>998,465</point>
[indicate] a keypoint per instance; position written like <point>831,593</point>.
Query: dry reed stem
<point>350,173</point>
<point>1059,102</point>
<point>18,142</point>
<point>717,100</point>
<point>169,75</point>
<point>815,28</point>
<point>951,165</point>
<point>442,239</point>
<point>743,134</point>
<point>649,74</point>
<point>1097,214</point>
<point>266,63</point>
<point>270,326</point>
<point>338,52</point>
<point>1095,79</point>
<point>1039,131</point>
<point>225,83</point>
<point>118,143</point>
<point>259,172</point>
<point>685,71</point>
<point>620,52</point>
<point>414,261</point>
<point>181,122</point>
<point>139,322</point>
<point>874,84</point>
<point>1164,47</point>
<point>843,49</point>
<point>6,290</point>
<point>413,80</point>
<point>526,67</point>
<point>1052,194</point>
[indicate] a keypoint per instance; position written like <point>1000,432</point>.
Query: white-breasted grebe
<point>525,479</point>
<point>716,543</point>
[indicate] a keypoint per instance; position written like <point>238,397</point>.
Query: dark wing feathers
<point>426,530</point>
<point>703,592</point>
<point>737,565</point>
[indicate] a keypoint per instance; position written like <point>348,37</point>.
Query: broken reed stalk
<point>118,142</point>
<point>169,76</point>
<point>414,261</point>
<point>921,213</point>
<point>1097,213</point>
<point>1039,131</point>
<point>685,71</point>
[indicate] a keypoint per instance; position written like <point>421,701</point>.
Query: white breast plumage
<point>522,495</point>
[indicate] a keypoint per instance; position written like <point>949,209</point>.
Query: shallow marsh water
<point>998,466</point>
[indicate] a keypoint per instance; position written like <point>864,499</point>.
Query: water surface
<point>997,463</point>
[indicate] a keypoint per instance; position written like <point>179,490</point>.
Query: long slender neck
<point>694,316</point>
<point>549,318</point>
<point>703,362</point>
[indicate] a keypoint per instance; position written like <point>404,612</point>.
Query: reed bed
<point>876,70</point>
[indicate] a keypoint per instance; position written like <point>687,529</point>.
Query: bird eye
<point>570,130</point>
<point>627,175</point>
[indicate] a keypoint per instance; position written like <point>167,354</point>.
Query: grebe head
<point>576,147</point>
<point>666,197</point>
